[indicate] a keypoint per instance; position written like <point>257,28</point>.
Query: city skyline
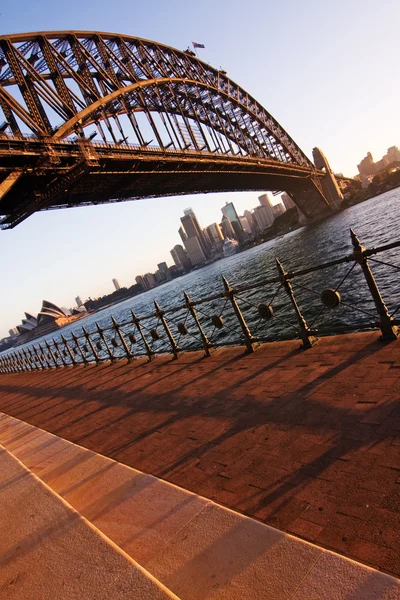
<point>348,110</point>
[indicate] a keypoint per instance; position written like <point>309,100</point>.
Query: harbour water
<point>374,221</point>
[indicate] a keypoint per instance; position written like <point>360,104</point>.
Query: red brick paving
<point>307,441</point>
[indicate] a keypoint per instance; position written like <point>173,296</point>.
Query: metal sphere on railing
<point>183,330</point>
<point>65,353</point>
<point>265,311</point>
<point>154,334</point>
<point>75,350</point>
<point>330,298</point>
<point>217,321</point>
<point>114,342</point>
<point>99,346</point>
<point>85,348</point>
<point>132,338</point>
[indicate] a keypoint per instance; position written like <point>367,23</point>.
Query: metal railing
<point>290,305</point>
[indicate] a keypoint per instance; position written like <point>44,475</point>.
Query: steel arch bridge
<point>165,123</point>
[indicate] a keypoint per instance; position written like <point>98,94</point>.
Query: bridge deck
<point>307,441</point>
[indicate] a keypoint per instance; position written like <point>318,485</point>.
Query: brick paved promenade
<point>307,441</point>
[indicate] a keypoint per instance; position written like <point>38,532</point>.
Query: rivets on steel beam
<point>330,298</point>
<point>265,311</point>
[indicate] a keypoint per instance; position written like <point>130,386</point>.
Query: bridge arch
<point>142,98</point>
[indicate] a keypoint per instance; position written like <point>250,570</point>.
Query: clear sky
<point>327,71</point>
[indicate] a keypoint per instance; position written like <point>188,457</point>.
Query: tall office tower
<point>227,229</point>
<point>263,217</point>
<point>230,211</point>
<point>214,233</point>
<point>180,258</point>
<point>245,224</point>
<point>250,219</point>
<point>287,201</point>
<point>195,251</point>
<point>193,229</point>
<point>278,209</point>
<point>182,234</point>
<point>116,284</point>
<point>393,154</point>
<point>150,280</point>
<point>78,301</point>
<point>140,280</point>
<point>163,268</point>
<point>266,202</point>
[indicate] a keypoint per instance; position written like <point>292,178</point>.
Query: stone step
<point>49,551</point>
<point>196,548</point>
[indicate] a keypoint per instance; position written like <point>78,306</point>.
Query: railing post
<point>38,356</point>
<point>388,329</point>
<point>230,293</point>
<point>117,329</point>
<point>136,322</point>
<point>76,341</point>
<point>68,349</point>
<point>64,364</point>
<point>103,337</point>
<point>53,358</point>
<point>305,333</point>
<point>206,344</point>
<point>28,359</point>
<point>45,357</point>
<point>174,345</point>
<point>93,349</point>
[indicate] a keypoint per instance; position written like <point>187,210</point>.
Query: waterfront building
<point>180,258</point>
<point>262,215</point>
<point>214,233</point>
<point>182,234</point>
<point>367,166</point>
<point>141,281</point>
<point>251,221</point>
<point>116,284</point>
<point>278,209</point>
<point>78,301</point>
<point>265,201</point>
<point>245,225</point>
<point>287,201</point>
<point>227,229</point>
<point>150,280</point>
<point>195,251</point>
<point>229,211</point>
<point>193,230</point>
<point>164,270</point>
<point>230,247</point>
<point>13,332</point>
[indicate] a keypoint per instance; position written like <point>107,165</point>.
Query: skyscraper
<point>287,201</point>
<point>165,274</point>
<point>193,229</point>
<point>78,301</point>
<point>180,258</point>
<point>266,203</point>
<point>195,251</point>
<point>227,229</point>
<point>116,284</point>
<point>214,233</point>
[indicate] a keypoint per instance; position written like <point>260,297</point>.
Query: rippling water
<point>375,222</point>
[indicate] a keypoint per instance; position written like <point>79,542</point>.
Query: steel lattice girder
<point>55,86</point>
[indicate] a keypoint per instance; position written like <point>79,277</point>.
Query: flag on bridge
<point>196,45</point>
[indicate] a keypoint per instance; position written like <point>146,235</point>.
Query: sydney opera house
<point>49,319</point>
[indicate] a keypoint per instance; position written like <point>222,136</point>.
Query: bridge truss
<point>93,117</point>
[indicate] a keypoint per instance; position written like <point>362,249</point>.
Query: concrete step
<point>49,551</point>
<point>196,548</point>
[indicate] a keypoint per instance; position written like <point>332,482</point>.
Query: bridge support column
<point>329,184</point>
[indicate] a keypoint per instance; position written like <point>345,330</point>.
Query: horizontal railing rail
<point>291,305</point>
